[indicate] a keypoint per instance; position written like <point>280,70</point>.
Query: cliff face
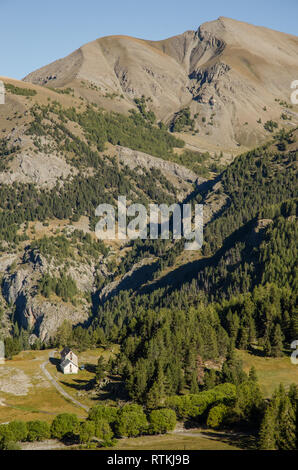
<point>32,311</point>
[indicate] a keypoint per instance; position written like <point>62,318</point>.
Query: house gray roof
<point>71,355</point>
<point>66,362</point>
<point>65,351</point>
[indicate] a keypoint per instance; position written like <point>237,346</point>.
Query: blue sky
<point>34,33</point>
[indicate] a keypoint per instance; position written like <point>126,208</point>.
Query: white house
<point>68,362</point>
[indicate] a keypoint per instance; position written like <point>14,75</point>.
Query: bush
<point>64,424</point>
<point>103,413</point>
<point>19,430</point>
<point>10,446</point>
<point>15,90</point>
<point>216,416</point>
<point>38,431</point>
<point>162,421</point>
<point>132,421</point>
<point>6,437</point>
<point>182,121</point>
<point>103,431</point>
<point>86,431</point>
<point>270,126</point>
<point>194,405</point>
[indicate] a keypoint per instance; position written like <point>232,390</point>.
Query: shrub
<point>103,431</point>
<point>19,430</point>
<point>132,421</point>
<point>103,413</point>
<point>38,431</point>
<point>6,436</point>
<point>86,431</point>
<point>270,126</point>
<point>10,446</point>
<point>15,90</point>
<point>182,121</point>
<point>162,421</point>
<point>64,424</point>
<point>216,416</point>
<point>194,405</point>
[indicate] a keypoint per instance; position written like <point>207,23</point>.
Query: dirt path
<point>188,433</point>
<point>58,387</point>
<point>49,444</point>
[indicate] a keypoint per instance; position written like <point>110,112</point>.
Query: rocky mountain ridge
<point>218,71</point>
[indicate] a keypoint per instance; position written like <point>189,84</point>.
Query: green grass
<point>270,371</point>
<point>42,400</point>
<point>75,385</point>
<point>173,442</point>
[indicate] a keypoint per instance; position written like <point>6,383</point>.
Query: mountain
<point>201,118</point>
<point>227,80</point>
<point>60,158</point>
<point>118,117</point>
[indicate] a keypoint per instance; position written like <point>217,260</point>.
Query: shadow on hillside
<point>113,390</point>
<point>135,280</point>
<point>243,441</point>
<point>79,384</point>
<point>187,272</point>
<point>138,279</point>
<point>90,368</point>
<point>242,438</point>
<point>256,352</point>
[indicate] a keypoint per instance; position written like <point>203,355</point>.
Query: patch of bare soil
<point>14,381</point>
<point>49,444</point>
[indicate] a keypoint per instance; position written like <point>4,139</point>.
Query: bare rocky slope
<point>228,73</point>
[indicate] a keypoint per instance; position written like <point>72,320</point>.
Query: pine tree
<point>253,374</point>
<point>267,436</point>
<point>156,393</point>
<point>277,341</point>
<point>233,326</point>
<point>267,347</point>
<point>100,372</point>
<point>252,331</point>
<point>194,388</point>
<point>210,379</point>
<point>243,342</point>
<point>287,425</point>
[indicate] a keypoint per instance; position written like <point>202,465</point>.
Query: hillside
<point>227,81</point>
<point>60,158</point>
<point>166,335</point>
<point>65,156</point>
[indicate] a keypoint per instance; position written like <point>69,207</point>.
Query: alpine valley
<point>199,338</point>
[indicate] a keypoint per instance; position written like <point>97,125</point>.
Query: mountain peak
<point>216,71</point>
